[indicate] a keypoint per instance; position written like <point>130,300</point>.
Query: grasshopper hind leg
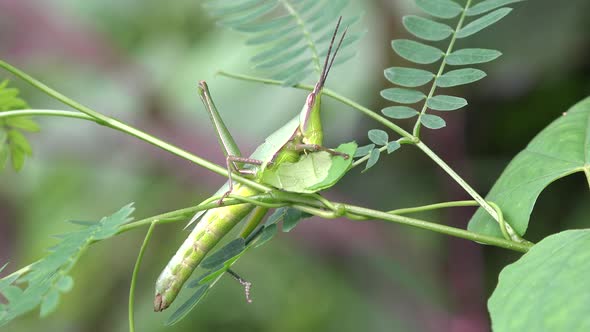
<point>231,162</point>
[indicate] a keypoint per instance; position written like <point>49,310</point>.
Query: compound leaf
<point>426,29</point>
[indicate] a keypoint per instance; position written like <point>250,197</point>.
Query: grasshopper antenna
<point>329,62</point>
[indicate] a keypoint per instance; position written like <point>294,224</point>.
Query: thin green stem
<point>513,235</point>
<point>443,229</point>
<point>118,125</point>
<point>435,206</point>
<point>146,240</point>
<point>59,113</point>
<point>417,126</point>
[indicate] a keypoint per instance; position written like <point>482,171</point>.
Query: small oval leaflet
<point>399,112</point>
<point>426,29</point>
<point>408,77</point>
<point>416,52</point>
<point>440,8</point>
<point>432,121</point>
<point>470,56</point>
<point>403,96</point>
<point>445,103</point>
<point>487,5</point>
<point>482,22</point>
<point>460,77</point>
<point>378,136</point>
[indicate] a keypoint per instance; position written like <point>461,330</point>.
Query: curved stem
<point>146,240</point>
<point>435,206</point>
<point>59,113</point>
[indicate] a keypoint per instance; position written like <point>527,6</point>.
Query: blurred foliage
<point>140,61</point>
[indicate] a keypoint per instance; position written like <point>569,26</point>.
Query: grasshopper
<point>282,161</point>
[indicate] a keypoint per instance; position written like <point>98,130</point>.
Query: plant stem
<point>434,207</point>
<point>60,113</point>
<point>146,240</point>
<point>416,131</point>
<point>513,235</point>
<point>118,125</point>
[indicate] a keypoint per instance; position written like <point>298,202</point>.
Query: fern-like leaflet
<point>420,53</point>
<point>292,35</point>
<point>13,143</point>
<point>47,278</point>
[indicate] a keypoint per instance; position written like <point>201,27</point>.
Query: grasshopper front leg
<point>231,162</point>
<point>301,147</point>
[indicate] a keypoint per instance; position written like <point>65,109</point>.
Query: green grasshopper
<point>286,160</point>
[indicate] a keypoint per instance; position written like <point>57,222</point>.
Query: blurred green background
<point>139,61</point>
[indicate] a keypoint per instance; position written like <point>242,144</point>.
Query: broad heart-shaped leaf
<point>440,8</point>
<point>557,151</point>
<point>426,29</point>
<point>547,288</point>
<point>403,96</point>
<point>432,121</point>
<point>313,172</point>
<point>483,22</point>
<point>469,56</point>
<point>445,103</point>
<point>487,5</point>
<point>459,77</point>
<point>408,77</point>
<point>399,112</point>
<point>416,52</point>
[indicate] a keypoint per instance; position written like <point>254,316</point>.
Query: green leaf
<point>267,233</point>
<point>426,29</point>
<point>486,6</point>
<point>364,150</point>
<point>65,284</point>
<point>459,77</point>
<point>373,159</point>
<point>399,112</point>
<point>445,103</point>
<point>4,153</point>
<point>224,254</point>
<point>246,17</point>
<point>557,151</point>
<point>275,217</point>
<point>18,157</point>
<point>408,77</point>
<point>187,306</point>
<point>338,168</point>
<point>49,303</point>
<point>469,56</point>
<point>440,8</point>
<point>292,218</point>
<point>402,96</point>
<point>482,22</point>
<point>23,123</point>
<point>392,146</point>
<point>378,136</point>
<point>546,289</point>
<point>416,52</point>
<point>19,140</point>
<point>432,121</point>
<point>49,276</point>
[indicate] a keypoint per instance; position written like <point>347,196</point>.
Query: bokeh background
<point>139,61</point>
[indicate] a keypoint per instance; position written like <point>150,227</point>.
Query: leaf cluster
<point>43,282</point>
<point>13,143</point>
<point>287,33</point>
